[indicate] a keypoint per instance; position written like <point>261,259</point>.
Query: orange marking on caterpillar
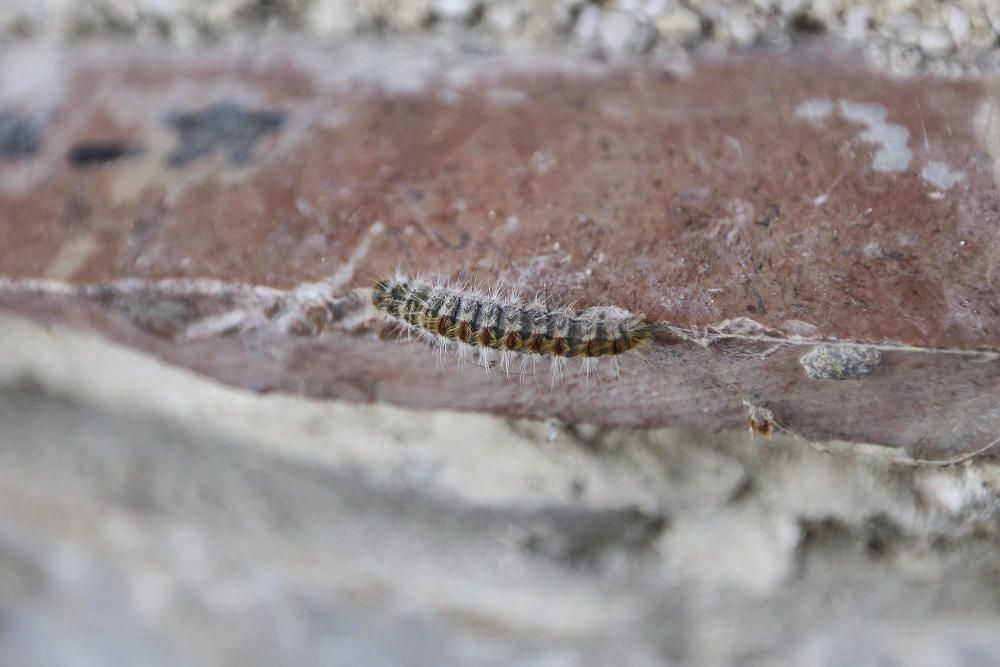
<point>505,326</point>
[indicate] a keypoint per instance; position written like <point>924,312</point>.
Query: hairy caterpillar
<point>505,327</point>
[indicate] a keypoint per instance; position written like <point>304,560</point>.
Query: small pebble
<point>935,42</point>
<point>455,10</point>
<point>679,24</point>
<point>621,33</point>
<point>958,23</point>
<point>841,362</point>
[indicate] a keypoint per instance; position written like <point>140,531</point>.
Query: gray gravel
<point>902,36</point>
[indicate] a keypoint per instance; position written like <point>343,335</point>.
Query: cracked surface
<point>748,192</point>
<point>689,197</point>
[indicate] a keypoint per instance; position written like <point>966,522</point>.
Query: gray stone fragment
<point>621,33</point>
<point>841,362</point>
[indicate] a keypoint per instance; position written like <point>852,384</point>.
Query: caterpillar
<point>504,326</point>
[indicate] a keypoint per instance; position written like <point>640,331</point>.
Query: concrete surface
<point>150,516</point>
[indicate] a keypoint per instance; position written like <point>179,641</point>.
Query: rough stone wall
<point>151,516</point>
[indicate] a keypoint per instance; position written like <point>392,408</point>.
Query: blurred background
<point>902,35</point>
<point>194,472</point>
